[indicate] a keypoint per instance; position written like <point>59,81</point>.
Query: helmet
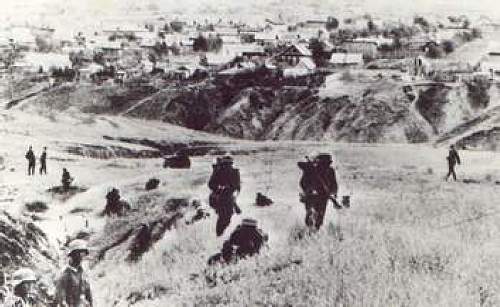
<point>249,222</point>
<point>22,275</point>
<point>77,245</point>
<point>226,160</point>
<point>324,158</point>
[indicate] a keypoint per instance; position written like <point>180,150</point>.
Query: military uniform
<point>225,180</point>
<point>43,163</point>
<point>73,289</point>
<point>30,156</point>
<point>318,183</point>
<point>66,179</point>
<point>453,159</point>
<point>245,241</point>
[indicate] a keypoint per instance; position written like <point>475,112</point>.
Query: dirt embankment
<point>379,113</point>
<point>357,109</point>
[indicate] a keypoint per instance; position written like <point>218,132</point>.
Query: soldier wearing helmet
<point>245,241</point>
<point>223,183</point>
<point>73,288</point>
<point>23,289</point>
<point>319,184</point>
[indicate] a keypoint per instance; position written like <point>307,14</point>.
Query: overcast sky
<point>490,7</point>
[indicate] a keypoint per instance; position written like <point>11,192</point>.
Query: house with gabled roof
<point>293,54</point>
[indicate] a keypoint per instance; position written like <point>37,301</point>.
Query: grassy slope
<point>409,239</point>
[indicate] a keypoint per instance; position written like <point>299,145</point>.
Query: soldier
<point>114,204</point>
<point>245,241</point>
<point>30,156</point>
<point>223,183</point>
<point>319,184</point>
<point>72,287</point>
<point>23,284</point>
<point>453,158</point>
<point>43,162</point>
<point>66,179</point>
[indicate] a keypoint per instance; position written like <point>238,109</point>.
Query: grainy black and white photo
<point>284,153</point>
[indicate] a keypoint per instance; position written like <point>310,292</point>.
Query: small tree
<point>448,46</point>
<point>318,52</point>
<point>200,43</point>
<point>372,27</point>
<point>434,52</point>
<point>476,33</point>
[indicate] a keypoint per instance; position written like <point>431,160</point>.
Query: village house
<point>341,59</point>
<point>293,54</point>
<point>491,63</point>
<point>22,37</point>
<point>267,38</point>
<point>367,49</point>
<point>85,73</point>
<point>316,24</point>
<point>34,62</point>
<point>238,69</point>
<point>304,67</point>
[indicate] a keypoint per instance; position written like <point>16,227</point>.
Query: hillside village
<point>139,111</point>
<point>156,51</point>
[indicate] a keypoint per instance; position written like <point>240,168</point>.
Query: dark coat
<point>453,157</point>
<point>73,289</point>
<point>225,177</point>
<point>30,156</point>
<point>248,240</point>
<point>43,157</point>
<point>318,179</point>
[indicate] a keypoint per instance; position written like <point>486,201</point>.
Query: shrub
<point>37,206</point>
<point>152,184</point>
<point>448,46</point>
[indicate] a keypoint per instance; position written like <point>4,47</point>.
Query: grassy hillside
<point>409,239</point>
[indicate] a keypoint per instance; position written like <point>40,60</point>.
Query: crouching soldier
<point>319,184</point>
<point>223,183</point>
<point>66,180</point>
<point>23,285</point>
<point>114,204</point>
<point>73,288</point>
<point>245,241</point>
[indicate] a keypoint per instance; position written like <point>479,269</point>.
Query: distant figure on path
<point>66,180</point>
<point>30,156</point>
<point>43,162</point>
<point>453,159</point>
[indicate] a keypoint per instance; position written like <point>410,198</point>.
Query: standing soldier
<point>66,180</point>
<point>319,184</point>
<point>73,288</point>
<point>30,156</point>
<point>23,284</point>
<point>43,162</point>
<point>453,159</point>
<point>223,183</point>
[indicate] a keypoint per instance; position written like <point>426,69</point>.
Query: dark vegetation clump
<point>152,184</point>
<point>37,206</point>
